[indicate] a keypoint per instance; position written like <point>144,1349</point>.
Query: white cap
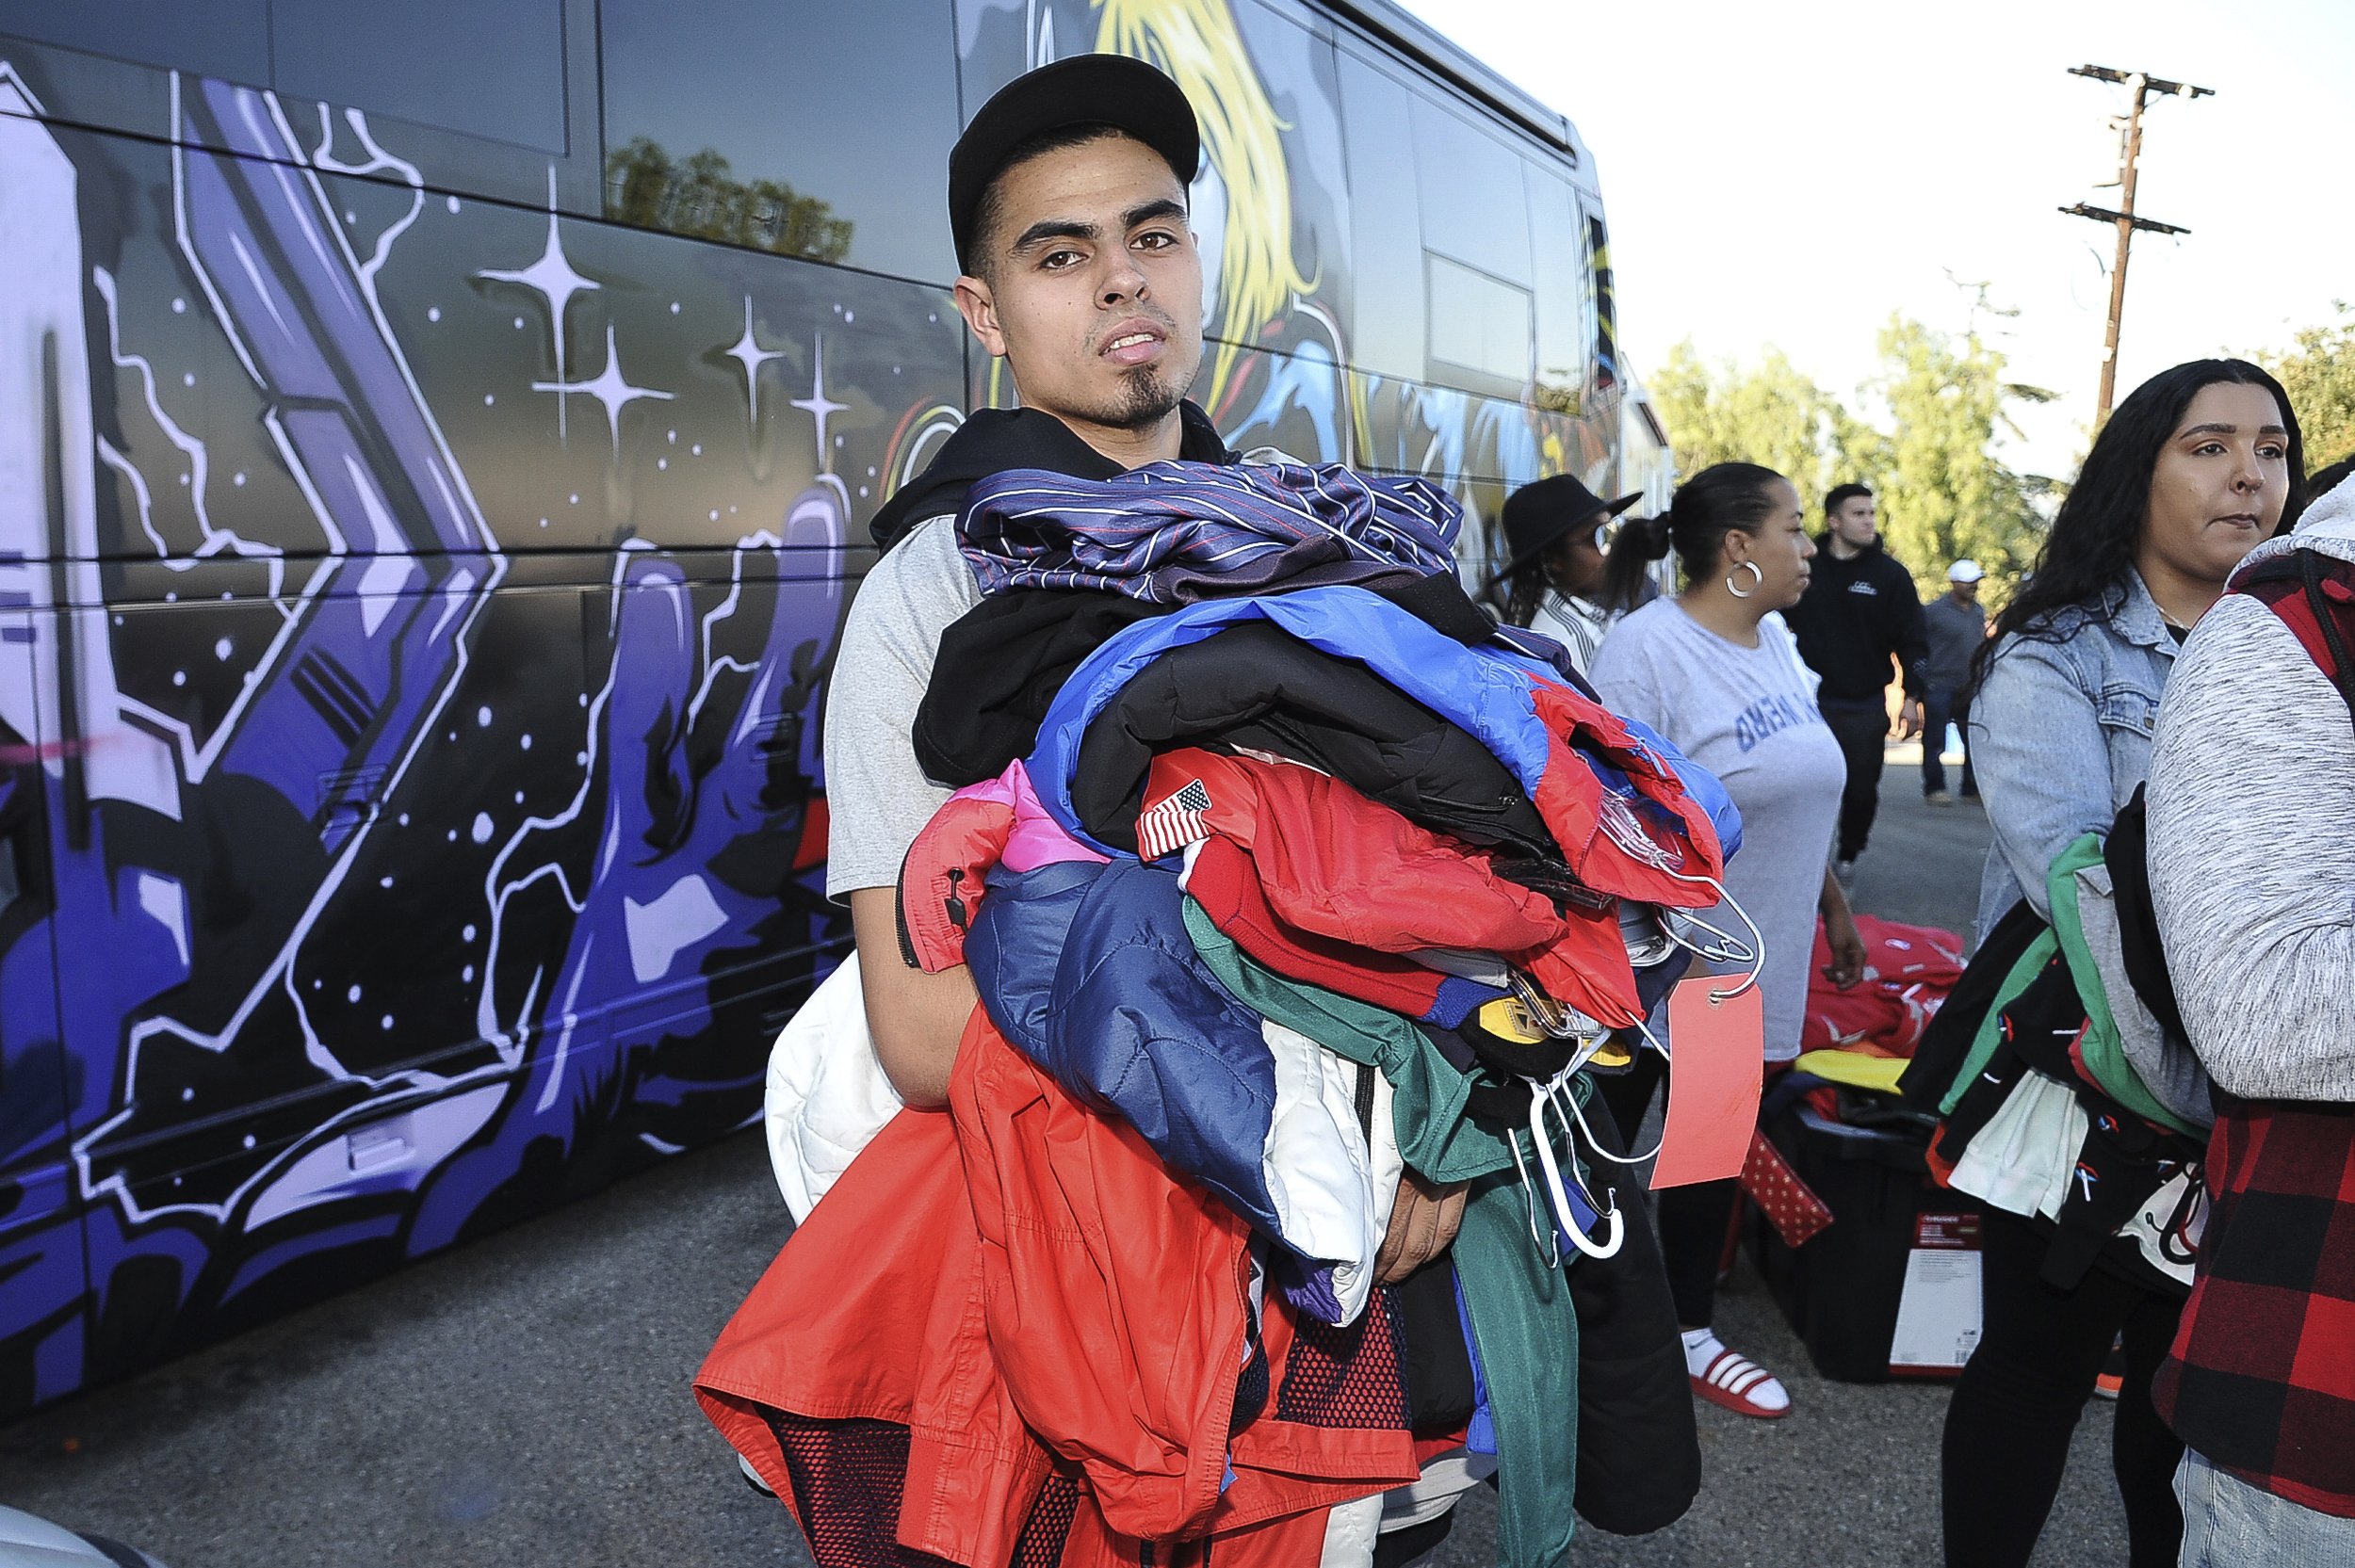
<point>1964,572</point>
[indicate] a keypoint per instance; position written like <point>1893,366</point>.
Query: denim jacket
<point>2060,736</point>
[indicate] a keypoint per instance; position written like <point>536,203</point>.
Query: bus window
<point>228,37</point>
<point>1385,222</point>
<point>1478,323</point>
<point>1473,206</point>
<point>1606,303</point>
<point>485,68</point>
<point>491,69</point>
<point>815,130</point>
<point>1564,300</point>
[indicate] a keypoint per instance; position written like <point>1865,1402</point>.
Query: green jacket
<point>2103,1050</point>
<point>1524,1327</point>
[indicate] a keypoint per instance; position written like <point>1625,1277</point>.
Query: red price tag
<point>1717,1056</point>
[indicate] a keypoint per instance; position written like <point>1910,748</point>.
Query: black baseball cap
<point>1127,94</point>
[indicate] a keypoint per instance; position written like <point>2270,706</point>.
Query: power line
<point>2146,87</point>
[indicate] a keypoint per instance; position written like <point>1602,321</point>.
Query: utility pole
<point>2131,153</point>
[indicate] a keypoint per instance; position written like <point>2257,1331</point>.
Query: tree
<point>2319,376</point>
<point>1772,415</point>
<point>1945,492</point>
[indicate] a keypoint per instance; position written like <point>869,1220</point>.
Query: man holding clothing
<point>1859,613</point>
<point>1067,201</point>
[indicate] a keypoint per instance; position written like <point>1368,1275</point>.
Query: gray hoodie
<point>2252,843</point>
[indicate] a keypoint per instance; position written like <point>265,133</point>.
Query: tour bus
<point>438,447</point>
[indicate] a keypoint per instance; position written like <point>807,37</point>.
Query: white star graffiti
<point>610,388</point>
<point>552,277</point>
<point>820,407</point>
<point>751,356</point>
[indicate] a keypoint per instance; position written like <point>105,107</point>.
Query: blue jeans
<point>2230,1524</point>
<point>1941,706</point>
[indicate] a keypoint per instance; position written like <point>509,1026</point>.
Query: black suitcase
<point>1842,1290</point>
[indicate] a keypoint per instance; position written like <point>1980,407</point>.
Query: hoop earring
<point>1758,580</point>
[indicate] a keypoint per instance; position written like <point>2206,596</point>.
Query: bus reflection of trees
<point>698,196</point>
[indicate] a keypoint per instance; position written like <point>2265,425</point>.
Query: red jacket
<point>1043,1354</point>
<point>1335,863</point>
<point>1908,972</point>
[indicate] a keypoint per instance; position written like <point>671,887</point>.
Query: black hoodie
<point>995,439</point>
<point>1855,615</point>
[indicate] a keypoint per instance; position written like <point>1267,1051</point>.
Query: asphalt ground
<point>524,1399</point>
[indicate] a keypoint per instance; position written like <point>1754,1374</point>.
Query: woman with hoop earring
<point>1714,669</point>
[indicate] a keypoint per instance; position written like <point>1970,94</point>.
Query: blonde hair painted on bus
<point>1198,44</point>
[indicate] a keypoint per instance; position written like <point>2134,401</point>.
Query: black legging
<point>2017,1402</point>
<point>1862,731</point>
<point>1693,1219</point>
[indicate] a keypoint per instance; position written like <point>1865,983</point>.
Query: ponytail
<point>1640,541</point>
<point>1723,498</point>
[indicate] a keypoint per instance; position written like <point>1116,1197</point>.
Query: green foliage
<point>1943,492</point>
<point>1772,416</point>
<point>698,196</point>
<point>2319,376</point>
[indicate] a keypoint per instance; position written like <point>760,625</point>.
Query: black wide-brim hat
<point>1538,514</point>
<point>1127,94</point>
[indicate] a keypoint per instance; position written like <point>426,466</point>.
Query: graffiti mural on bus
<point>413,621</point>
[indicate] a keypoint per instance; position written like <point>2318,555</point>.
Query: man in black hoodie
<point>1858,612</point>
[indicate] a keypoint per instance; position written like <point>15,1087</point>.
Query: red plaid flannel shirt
<point>2262,1378</point>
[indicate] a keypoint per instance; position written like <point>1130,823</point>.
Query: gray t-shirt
<point>1748,714</point>
<point>877,798</point>
<point>1956,632</point>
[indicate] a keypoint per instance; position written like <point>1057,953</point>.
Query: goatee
<point>1144,402</point>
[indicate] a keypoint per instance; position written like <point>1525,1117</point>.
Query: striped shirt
<point>1574,623</point>
<point>1176,533</point>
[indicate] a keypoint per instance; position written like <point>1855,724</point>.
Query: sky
<point>1790,174</point>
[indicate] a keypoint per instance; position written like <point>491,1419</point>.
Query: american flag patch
<point>1180,819</point>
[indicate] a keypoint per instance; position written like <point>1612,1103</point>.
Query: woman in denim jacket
<point>2192,472</point>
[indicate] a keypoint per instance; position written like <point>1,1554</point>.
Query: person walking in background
<point>2261,1383</point>
<point>1553,577</point>
<point>1859,613</point>
<point>2191,473</point>
<point>1955,623</point>
<point>1713,669</point>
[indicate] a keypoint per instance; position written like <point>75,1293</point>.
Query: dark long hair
<point>1710,505</point>
<point>1525,590</point>
<point>2091,546</point>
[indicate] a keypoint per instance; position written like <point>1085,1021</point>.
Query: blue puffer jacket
<point>1485,690</point>
<point>1090,972</point>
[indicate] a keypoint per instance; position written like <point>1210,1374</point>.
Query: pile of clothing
<point>1908,971</point>
<point>2060,1077</point>
<point>1853,1044</point>
<point>1282,873</point>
